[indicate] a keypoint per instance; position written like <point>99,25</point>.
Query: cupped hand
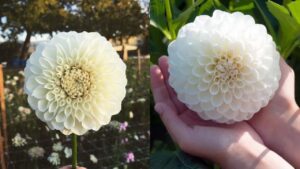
<point>230,145</point>
<point>195,136</point>
<point>279,122</point>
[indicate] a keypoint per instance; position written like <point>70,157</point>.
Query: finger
<point>159,90</point>
<point>287,79</point>
<point>178,130</point>
<point>158,87</point>
<point>164,66</point>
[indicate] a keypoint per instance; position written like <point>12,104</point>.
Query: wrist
<point>252,155</point>
<point>281,131</point>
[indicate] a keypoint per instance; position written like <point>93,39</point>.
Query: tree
<point>32,16</point>
<point>112,18</point>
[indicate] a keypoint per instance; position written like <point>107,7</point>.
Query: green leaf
<point>285,2</point>
<point>175,160</point>
<point>289,30</point>
<point>183,18</point>
<point>219,5</point>
<point>268,18</point>
<point>157,46</point>
<point>294,8</point>
<point>157,17</point>
<point>242,6</point>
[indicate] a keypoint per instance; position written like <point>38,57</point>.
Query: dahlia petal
<point>60,117</point>
<point>70,122</point>
<point>214,89</point>
<point>88,122</point>
<point>43,105</point>
<point>31,83</point>
<point>39,92</point>
<point>53,106</point>
<point>79,115</point>
<point>216,100</point>
<point>57,125</point>
<point>33,102</point>
<point>48,116</point>
<point>40,115</point>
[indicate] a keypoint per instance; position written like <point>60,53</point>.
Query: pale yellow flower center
<point>75,82</point>
<point>227,69</point>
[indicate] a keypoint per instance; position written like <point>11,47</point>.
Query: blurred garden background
<point>282,20</point>
<point>26,142</point>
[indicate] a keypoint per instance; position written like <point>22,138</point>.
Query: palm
<point>203,137</point>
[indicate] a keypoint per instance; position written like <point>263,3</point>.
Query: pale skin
<point>268,140</point>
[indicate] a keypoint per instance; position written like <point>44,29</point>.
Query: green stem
<point>290,49</point>
<point>74,151</point>
<point>170,19</point>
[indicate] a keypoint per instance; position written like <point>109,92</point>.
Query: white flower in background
<point>13,82</point>
<point>75,82</point>
<point>141,100</point>
<point>36,152</point>
<point>54,159</point>
<point>57,146</point>
<point>7,82</point>
<point>27,111</point>
<point>6,91</point>
<point>93,158</point>
<point>20,109</point>
<point>9,97</point>
<point>21,72</point>
<point>131,115</point>
<point>224,67</point>
<point>136,137</point>
<point>16,78</point>
<point>18,141</point>
<point>130,90</point>
<point>68,152</point>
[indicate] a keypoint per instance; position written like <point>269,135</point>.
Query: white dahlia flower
<point>36,152</point>
<point>75,82</point>
<point>224,67</point>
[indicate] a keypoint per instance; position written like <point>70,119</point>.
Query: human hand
<point>70,167</point>
<point>279,122</point>
<point>232,146</point>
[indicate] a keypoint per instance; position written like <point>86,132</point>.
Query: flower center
<point>227,69</point>
<point>75,82</point>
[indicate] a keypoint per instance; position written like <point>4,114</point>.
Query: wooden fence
<point>3,131</point>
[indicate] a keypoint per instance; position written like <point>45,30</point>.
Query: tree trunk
<point>125,51</point>
<point>26,45</point>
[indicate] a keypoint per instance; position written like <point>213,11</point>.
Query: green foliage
<point>168,16</point>
<point>110,18</point>
<point>176,160</point>
<point>289,27</point>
